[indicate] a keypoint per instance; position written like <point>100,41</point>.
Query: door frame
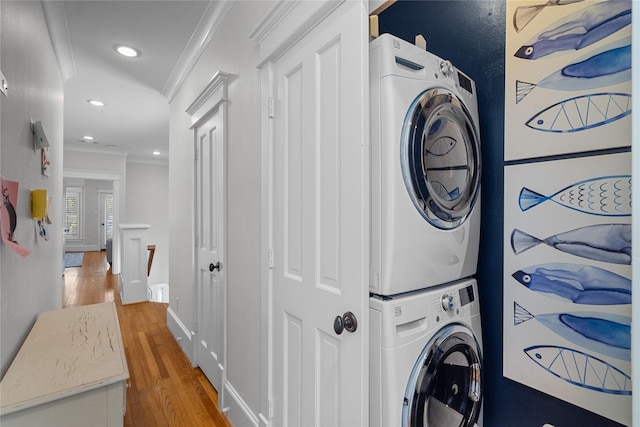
<point>118,199</point>
<point>102,223</point>
<point>283,26</point>
<point>212,100</point>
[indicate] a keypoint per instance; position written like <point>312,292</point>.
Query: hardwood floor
<point>164,390</point>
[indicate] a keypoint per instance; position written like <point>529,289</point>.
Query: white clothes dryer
<point>425,169</point>
<point>426,358</point>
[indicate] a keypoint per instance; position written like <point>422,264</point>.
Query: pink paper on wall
<point>9,217</point>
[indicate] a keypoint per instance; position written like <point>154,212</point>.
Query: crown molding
<point>56,16</point>
<point>287,22</point>
<point>207,28</point>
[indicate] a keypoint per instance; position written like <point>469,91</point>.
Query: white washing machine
<point>426,367</point>
<point>425,169</point>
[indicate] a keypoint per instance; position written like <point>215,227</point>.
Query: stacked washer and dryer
<point>425,355</point>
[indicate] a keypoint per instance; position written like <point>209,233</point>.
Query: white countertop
<point>67,352</point>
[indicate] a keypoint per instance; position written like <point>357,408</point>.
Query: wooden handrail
<point>152,250</point>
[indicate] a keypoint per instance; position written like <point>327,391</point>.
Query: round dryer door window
<point>440,158</point>
<point>445,387</point>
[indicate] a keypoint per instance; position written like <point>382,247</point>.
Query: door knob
<point>347,321</point>
<point>215,266</point>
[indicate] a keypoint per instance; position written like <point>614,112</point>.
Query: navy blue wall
<point>471,34</point>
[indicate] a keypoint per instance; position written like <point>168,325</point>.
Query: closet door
<point>320,225</point>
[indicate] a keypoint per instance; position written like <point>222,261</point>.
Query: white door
<point>210,241</point>
<point>106,218</point>
<point>320,225</point>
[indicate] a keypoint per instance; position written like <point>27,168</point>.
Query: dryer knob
<point>447,302</point>
<point>446,67</point>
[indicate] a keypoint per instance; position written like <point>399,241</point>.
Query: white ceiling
<point>136,91</point>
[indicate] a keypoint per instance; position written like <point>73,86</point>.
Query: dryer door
<point>440,158</point>
<point>445,385</point>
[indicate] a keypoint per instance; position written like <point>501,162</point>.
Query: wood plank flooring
<point>164,390</point>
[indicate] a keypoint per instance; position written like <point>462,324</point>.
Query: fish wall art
<point>601,196</point>
<point>580,369</point>
<point>567,285</point>
<point>582,113</point>
<point>578,30</point>
<point>525,14</point>
<point>604,333</point>
<point>601,242</point>
<point>606,68</point>
<point>576,283</point>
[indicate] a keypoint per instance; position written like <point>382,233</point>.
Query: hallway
<point>163,388</point>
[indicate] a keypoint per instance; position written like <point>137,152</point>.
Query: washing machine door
<point>440,158</point>
<point>445,386</point>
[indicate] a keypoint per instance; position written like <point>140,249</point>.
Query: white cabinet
<point>70,371</point>
<point>133,263</point>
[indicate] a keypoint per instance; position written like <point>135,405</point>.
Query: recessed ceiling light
<point>111,146</point>
<point>156,153</point>
<point>95,102</point>
<point>87,138</point>
<point>127,51</point>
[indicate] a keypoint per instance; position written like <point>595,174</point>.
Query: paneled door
<point>320,224</point>
<point>210,245</point>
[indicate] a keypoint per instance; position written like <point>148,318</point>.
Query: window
<point>73,213</point>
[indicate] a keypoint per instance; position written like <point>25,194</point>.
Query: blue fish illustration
<point>606,68</point>
<point>582,113</point>
<point>601,242</point>
<point>441,146</point>
<point>581,369</point>
<point>525,14</point>
<point>443,193</point>
<point>604,333</point>
<point>602,196</point>
<point>578,30</point>
<point>581,284</point>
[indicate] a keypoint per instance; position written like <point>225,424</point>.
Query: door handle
<point>347,321</point>
<point>216,266</point>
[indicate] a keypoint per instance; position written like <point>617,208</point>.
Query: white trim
<point>209,99</point>
<point>237,407</point>
<point>103,226</point>
<point>271,19</point>
<point>286,23</point>
<point>56,16</point>
<point>116,178</point>
<point>91,174</point>
<point>181,333</point>
<point>70,247</point>
<point>207,28</point>
<point>266,242</point>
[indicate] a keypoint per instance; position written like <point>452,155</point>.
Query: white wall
<point>147,202</point>
<point>32,284</point>
<point>230,51</point>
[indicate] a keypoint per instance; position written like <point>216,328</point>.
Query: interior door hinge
<point>272,113</point>
<point>270,258</point>
<point>195,327</point>
<point>271,414</point>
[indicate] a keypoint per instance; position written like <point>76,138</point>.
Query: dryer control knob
<point>446,67</point>
<point>447,302</point>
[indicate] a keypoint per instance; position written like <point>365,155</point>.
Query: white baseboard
<point>181,333</point>
<point>235,408</point>
<point>69,247</point>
